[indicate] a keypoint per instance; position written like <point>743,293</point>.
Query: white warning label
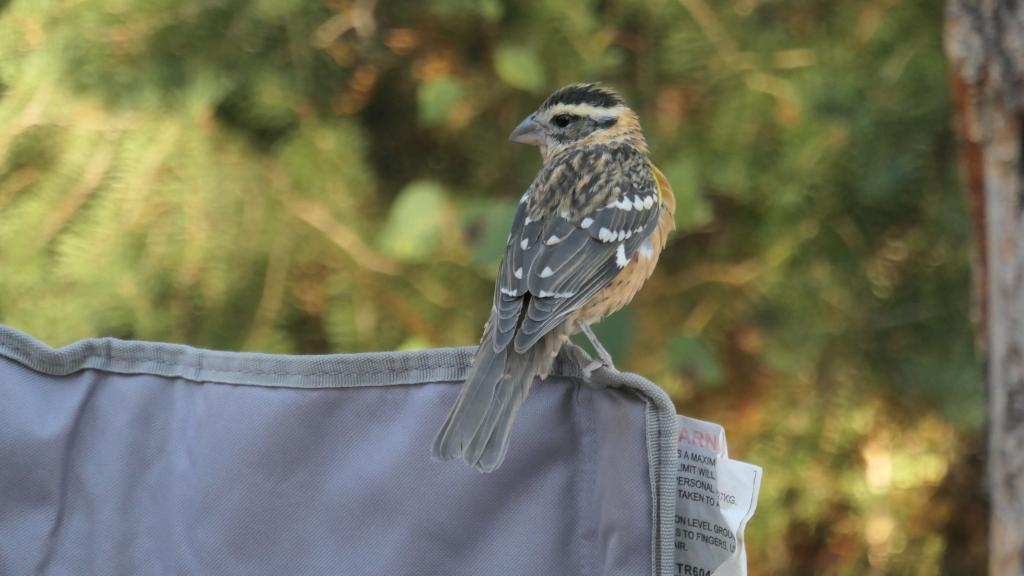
<point>715,497</point>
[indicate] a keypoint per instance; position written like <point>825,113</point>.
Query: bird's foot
<point>594,364</point>
<point>603,357</point>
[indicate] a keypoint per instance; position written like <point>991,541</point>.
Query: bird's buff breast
<point>628,282</point>
<point>619,293</point>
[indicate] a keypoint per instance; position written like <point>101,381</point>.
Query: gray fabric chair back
<point>141,458</point>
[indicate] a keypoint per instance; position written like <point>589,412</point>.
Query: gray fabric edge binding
<point>363,369</point>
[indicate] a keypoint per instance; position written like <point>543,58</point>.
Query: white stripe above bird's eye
<point>587,110</point>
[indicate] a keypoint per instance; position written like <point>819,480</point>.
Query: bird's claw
<point>594,364</point>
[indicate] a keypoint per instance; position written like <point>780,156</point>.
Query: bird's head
<point>579,114</point>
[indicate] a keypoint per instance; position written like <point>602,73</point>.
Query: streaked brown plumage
<point>586,236</point>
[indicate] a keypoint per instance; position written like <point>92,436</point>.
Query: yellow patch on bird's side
<point>660,180</point>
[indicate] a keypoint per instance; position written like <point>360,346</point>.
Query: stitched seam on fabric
<point>659,513</point>
<point>586,519</point>
<point>103,349</point>
<point>580,525</point>
<point>87,353</point>
<point>654,461</point>
<point>113,357</point>
<point>106,352</point>
<point>590,476</point>
<point>199,365</point>
<point>668,432</point>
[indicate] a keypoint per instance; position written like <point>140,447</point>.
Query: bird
<point>585,237</point>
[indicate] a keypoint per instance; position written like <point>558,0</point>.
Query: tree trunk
<point>985,46</point>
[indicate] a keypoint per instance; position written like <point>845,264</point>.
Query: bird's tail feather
<point>478,426</point>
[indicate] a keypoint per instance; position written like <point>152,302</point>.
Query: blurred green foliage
<point>334,176</point>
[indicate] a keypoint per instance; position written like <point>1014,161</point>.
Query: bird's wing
<point>580,224</point>
<point>511,286</point>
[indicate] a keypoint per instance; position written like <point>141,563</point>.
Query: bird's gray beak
<point>528,132</point>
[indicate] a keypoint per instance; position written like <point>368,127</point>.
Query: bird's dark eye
<point>563,120</point>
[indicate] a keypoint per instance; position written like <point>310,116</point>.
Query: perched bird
<point>586,236</point>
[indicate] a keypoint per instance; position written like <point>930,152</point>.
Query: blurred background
<point>303,176</point>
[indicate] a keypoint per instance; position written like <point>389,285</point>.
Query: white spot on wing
<point>646,249</point>
<point>606,235</point>
<point>638,203</point>
<point>508,292</point>
<point>546,294</point>
<point>546,272</point>
<point>527,221</point>
<point>648,201</point>
<point>586,223</point>
<point>553,240</point>
<point>620,256</point>
<point>525,243</point>
<point>526,196</point>
<point>518,273</point>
